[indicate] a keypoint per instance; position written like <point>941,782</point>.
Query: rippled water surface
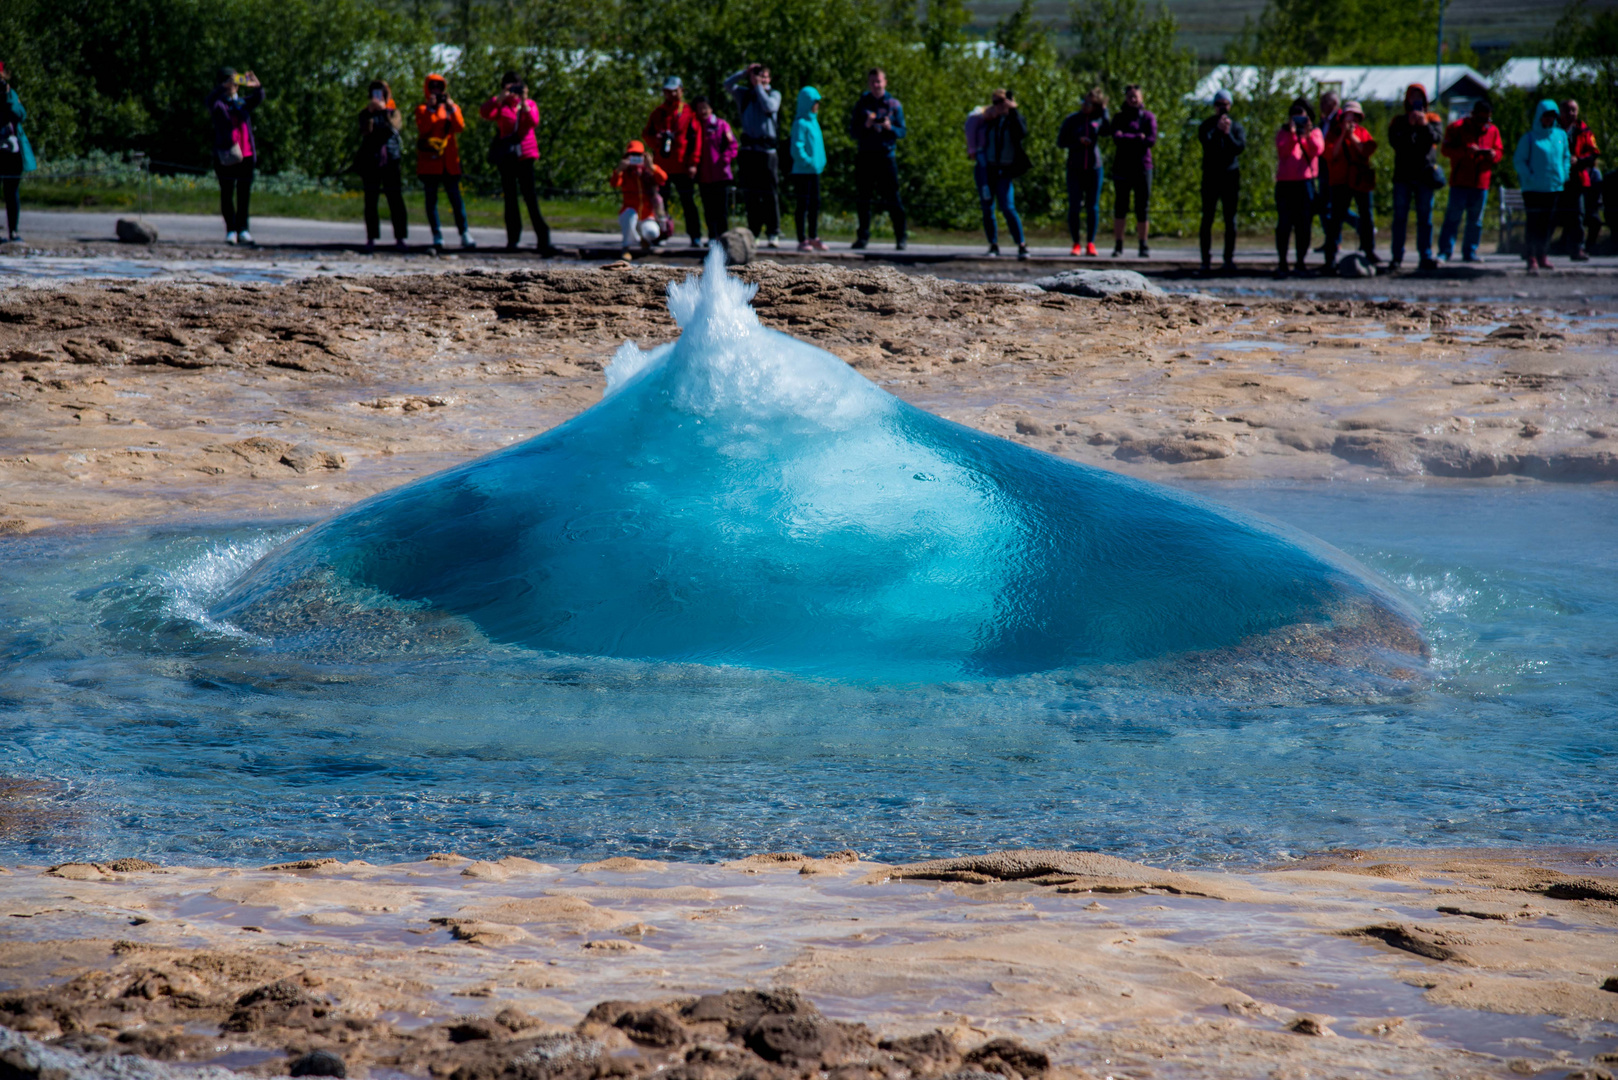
<point>154,731</point>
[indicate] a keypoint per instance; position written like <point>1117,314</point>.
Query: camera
<point>1300,122</point>
<point>637,159</point>
<point>665,143</point>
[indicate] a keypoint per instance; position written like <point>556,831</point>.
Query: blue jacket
<point>876,140</point>
<point>808,145</point>
<point>15,114</point>
<point>1543,159</point>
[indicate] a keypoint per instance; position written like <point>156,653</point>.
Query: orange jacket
<point>438,149</point>
<point>639,187</point>
<point>1348,158</point>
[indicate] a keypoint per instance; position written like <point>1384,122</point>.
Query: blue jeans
<point>451,183</point>
<point>1471,202</point>
<point>1405,196</point>
<point>994,190</point>
<point>1083,203</point>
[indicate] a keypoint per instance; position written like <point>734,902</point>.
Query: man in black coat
<point>1223,141</point>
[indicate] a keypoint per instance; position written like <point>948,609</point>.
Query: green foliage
<point>1296,32</point>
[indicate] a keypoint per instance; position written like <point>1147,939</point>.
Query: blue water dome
<point>740,497</point>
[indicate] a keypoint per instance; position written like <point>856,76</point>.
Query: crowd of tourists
<point>690,159</point>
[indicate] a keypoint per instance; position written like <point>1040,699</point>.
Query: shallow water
<point>162,734</point>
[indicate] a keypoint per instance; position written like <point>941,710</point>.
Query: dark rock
<point>318,1063</point>
<point>740,245</point>
<point>923,1054</point>
<point>652,1027</point>
<point>1611,985</point>
<point>1310,1025</point>
<point>739,1009</point>
<point>135,232</point>
<point>1355,265</point>
<point>1027,425</point>
<point>130,866</point>
<point>1008,1057</point>
<point>1096,284</point>
<point>472,1030</point>
<point>795,1037</point>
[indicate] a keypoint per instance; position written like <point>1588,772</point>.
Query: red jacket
<point>1473,153</point>
<point>1582,142</point>
<point>1348,158</point>
<point>679,121</point>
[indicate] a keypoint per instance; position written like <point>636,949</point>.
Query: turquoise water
<point>163,736</point>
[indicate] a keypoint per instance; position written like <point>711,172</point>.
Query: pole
<point>1438,65</point>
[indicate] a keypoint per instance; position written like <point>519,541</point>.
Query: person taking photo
<point>439,124</point>
<point>719,148</point>
<point>1134,133</point>
<point>1350,181</point>
<point>379,163</point>
<point>1415,136</point>
<point>1223,141</point>
<point>758,106</point>
<point>1473,146</point>
<point>876,123</point>
<point>1005,131</point>
<point>1298,146</point>
<point>675,138</point>
<point>1080,135</point>
<point>16,155</point>
<point>235,151</point>
<point>514,152</point>
<point>1582,196</point>
<point>639,181</point>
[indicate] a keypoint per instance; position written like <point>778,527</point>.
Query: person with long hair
<point>378,161</point>
<point>515,152</point>
<point>1298,146</point>
<point>235,149</point>
<point>16,156</point>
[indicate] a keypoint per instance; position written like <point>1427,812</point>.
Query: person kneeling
<point>639,180</point>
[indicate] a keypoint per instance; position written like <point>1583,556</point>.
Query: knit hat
<point>1222,97</point>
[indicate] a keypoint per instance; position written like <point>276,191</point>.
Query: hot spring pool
<point>150,730</point>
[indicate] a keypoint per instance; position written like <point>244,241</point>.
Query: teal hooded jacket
<point>1543,159</point>
<point>15,114</point>
<point>808,144</point>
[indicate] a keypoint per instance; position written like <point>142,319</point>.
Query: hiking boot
<point>1022,252</point>
<point>1228,266</point>
<point>1118,249</point>
<point>1580,256</point>
<point>1426,266</point>
<point>466,239</point>
<point>1281,271</point>
<point>1145,251</point>
<point>900,244</point>
<point>859,244</point>
<point>1090,249</point>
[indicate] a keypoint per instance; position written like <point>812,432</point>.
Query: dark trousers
<point>1582,208</point>
<point>1342,197</point>
<point>517,182</point>
<point>235,191</point>
<point>1295,214</point>
<point>716,207</point>
<point>760,180</point>
<point>1220,191</point>
<point>452,187</point>
<point>385,181</point>
<point>807,211</point>
<point>13,207</point>
<point>876,184</point>
<point>1083,204</point>
<point>686,188</point>
<point>1324,205</point>
<point>1137,185</point>
<point>1540,209</point>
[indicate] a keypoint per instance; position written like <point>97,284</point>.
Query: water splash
<point>741,497</point>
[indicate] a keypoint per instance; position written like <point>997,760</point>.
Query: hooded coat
<point>1415,146</point>
<point>12,114</point>
<point>438,127</point>
<point>1543,160</point>
<point>380,144</point>
<point>719,148</point>
<point>808,143</point>
<point>232,119</point>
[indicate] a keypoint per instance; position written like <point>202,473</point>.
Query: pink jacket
<point>522,120</point>
<point>1297,157</point>
<point>718,150</point>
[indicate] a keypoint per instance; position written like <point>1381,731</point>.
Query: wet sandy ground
<point>1353,964</point>
<point>124,402</point>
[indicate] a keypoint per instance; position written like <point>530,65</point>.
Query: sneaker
<point>1395,265</point>
<point>1443,256</point>
<point>1090,249</point>
<point>1301,271</point>
<point>1228,266</point>
<point>900,244</point>
<point>438,240</point>
<point>230,238</point>
<point>370,247</point>
<point>818,244</point>
<point>243,237</point>
<point>1205,269</point>
<point>774,241</point>
<point>1545,264</point>
<point>1470,259</point>
<point>1078,249</point>
<point>859,245</point>
<point>1373,258</point>
<point>626,255</point>
<point>1281,271</point>
<point>512,245</point>
<point>1426,266</point>
<point>1579,256</point>
<point>993,252</point>
<point>696,241</point>
<point>1118,249</point>
<point>466,239</point>
<point>1022,252</point>
<point>1533,268</point>
<point>805,246</point>
<point>1145,251</point>
<point>400,245</point>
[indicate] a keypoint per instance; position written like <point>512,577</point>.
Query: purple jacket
<point>1134,133</point>
<point>718,150</point>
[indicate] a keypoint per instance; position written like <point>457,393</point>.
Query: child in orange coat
<point>639,180</point>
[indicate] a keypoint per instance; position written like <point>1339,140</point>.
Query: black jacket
<point>1221,149</point>
<point>1078,126</point>
<point>1415,150</point>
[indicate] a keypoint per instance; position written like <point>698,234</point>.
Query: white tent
<point>1357,83</point>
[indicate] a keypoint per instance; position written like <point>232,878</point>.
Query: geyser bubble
<point>742,497</point>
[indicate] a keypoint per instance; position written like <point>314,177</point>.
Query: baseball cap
<point>672,83</point>
<point>1222,96</point>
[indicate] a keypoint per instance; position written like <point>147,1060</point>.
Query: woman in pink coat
<point>514,151</point>
<point>1298,147</point>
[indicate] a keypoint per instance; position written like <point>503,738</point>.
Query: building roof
<point>1528,72</point>
<point>1360,83</point>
